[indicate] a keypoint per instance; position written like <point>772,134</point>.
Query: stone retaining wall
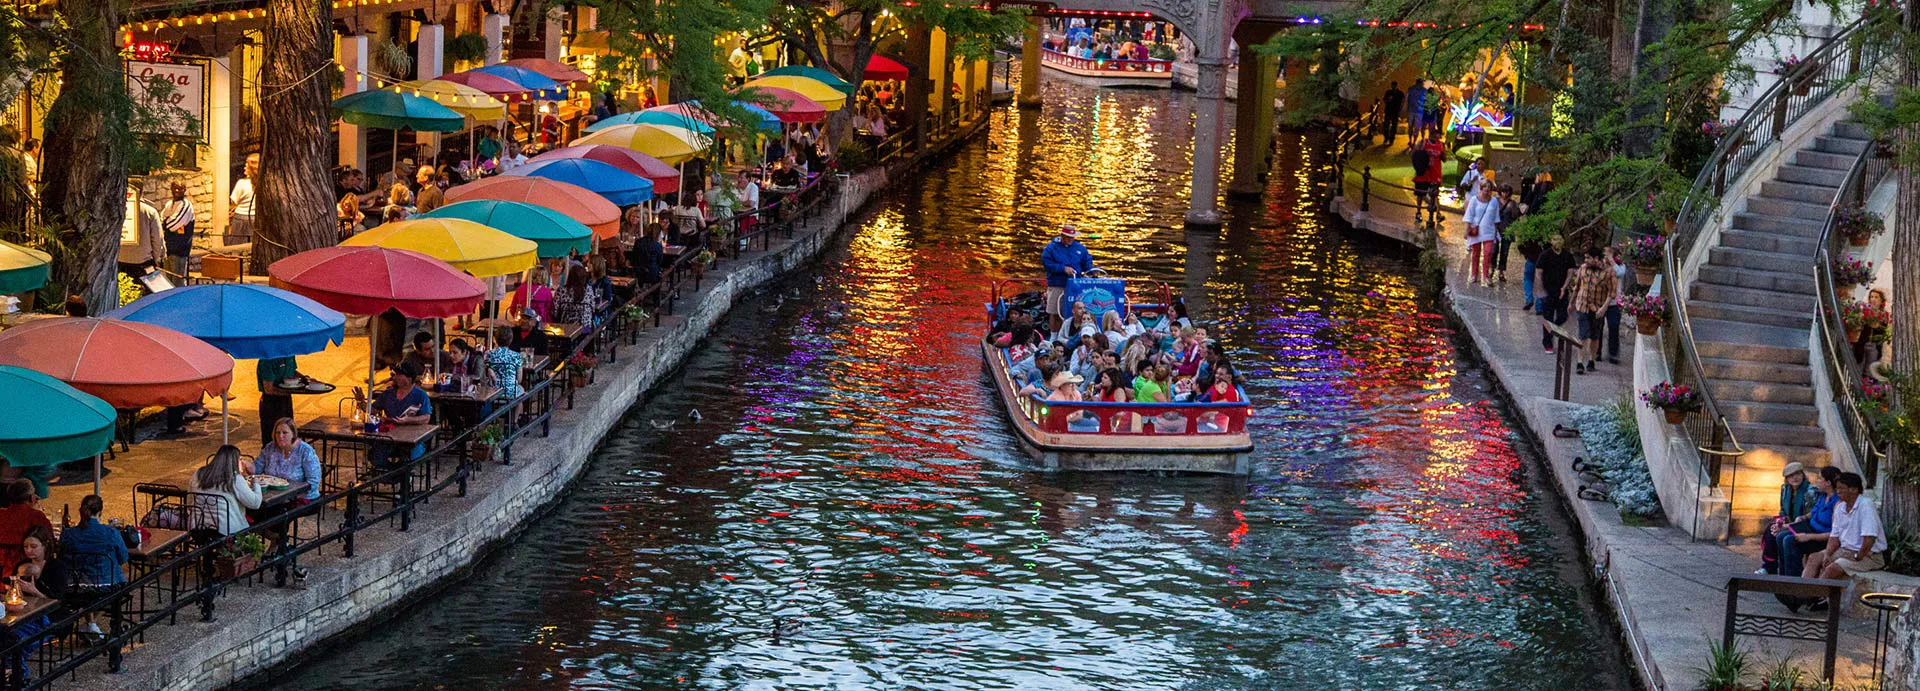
<point>259,628</point>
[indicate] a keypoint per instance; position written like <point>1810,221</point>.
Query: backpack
<point>1422,159</point>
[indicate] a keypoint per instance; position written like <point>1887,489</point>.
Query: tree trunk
<point>84,196</point>
<point>295,211</point>
<point>1900,501</point>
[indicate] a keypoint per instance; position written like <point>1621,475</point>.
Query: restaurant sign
<point>178,100</point>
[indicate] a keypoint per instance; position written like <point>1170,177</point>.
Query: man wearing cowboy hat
<point>1063,258</point>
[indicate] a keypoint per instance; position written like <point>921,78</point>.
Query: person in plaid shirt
<point>1588,293</point>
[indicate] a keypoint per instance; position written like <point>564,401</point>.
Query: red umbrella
<point>557,71</point>
<point>789,105</point>
<point>883,69</point>
<point>666,179</point>
<point>574,201</point>
<point>494,85</point>
<point>371,280</point>
<point>127,364</point>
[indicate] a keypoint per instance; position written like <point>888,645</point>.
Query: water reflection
<point>852,514</point>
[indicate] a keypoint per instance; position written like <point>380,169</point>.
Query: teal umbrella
<point>813,73</point>
<point>393,110</point>
<point>49,422</point>
<point>554,234</point>
<point>22,268</point>
<point>653,117</point>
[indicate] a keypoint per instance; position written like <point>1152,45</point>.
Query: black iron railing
<point>1845,372</point>
<point>1832,67</point>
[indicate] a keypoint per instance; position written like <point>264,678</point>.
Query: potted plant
<point>1649,313</point>
<point>1858,224</point>
<point>467,47</point>
<point>580,368</point>
<point>1848,273</point>
<point>1676,400</point>
<point>1790,68</point>
<point>1873,389</point>
<point>1645,253</point>
<point>238,555</point>
<point>632,316</point>
<point>484,442</point>
<point>1859,317</point>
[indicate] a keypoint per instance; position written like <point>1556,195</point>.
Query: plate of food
<point>271,482</point>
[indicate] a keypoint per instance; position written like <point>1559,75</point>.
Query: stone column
<point>1253,124</point>
<point>220,116</point>
<point>919,69</point>
<point>1030,65</point>
<point>555,33</point>
<point>493,27</point>
<point>352,55</point>
<point>430,62</point>
<point>1203,205</point>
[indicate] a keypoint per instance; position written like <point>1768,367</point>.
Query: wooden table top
<point>158,540</point>
<point>482,391</point>
<point>342,429</point>
<point>36,606</point>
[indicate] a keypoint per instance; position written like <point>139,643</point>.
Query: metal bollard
<point>1366,188</point>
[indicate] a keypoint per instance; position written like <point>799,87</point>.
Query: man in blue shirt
<point>95,552</point>
<point>402,403</point>
<point>1063,258</point>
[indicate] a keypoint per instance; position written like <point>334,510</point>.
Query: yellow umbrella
<point>822,93</point>
<point>672,145</point>
<point>471,247</point>
<point>457,97</point>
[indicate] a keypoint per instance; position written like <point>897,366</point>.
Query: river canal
<point>850,512</point>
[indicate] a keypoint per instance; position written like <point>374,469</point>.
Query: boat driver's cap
<point>1070,231</point>
<point>1064,378</point>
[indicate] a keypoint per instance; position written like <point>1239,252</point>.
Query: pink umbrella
<point>788,105</point>
<point>883,69</point>
<point>666,180</point>
<point>494,85</point>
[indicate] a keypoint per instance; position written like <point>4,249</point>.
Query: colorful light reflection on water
<point>852,514</point>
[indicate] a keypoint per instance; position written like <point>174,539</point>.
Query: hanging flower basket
<point>1858,317</point>
<point>1646,254</point>
<point>1649,313</point>
<point>1858,224</point>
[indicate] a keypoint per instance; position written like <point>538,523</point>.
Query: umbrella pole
<point>96,474</point>
<point>225,422</point>
<point>373,331</point>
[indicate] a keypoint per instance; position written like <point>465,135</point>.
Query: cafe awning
<point>559,72</point>
<point>543,88</point>
<point>127,364</point>
<point>881,68</point>
<point>457,97</point>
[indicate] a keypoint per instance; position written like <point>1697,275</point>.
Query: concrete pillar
<point>1253,124</point>
<point>940,62</point>
<point>919,77</point>
<point>220,117</point>
<point>1203,205</point>
<point>494,27</point>
<point>1030,65</point>
<point>1203,245</point>
<point>352,55</point>
<point>555,33</point>
<point>430,62</point>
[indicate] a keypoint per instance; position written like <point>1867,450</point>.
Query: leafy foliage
<point>1726,668</point>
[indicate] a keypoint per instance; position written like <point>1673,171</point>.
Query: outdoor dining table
<point>460,409</point>
<point>35,606</point>
<point>563,338</point>
<point>155,548</point>
<point>333,429</point>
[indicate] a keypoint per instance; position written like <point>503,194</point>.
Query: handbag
<point>163,516</point>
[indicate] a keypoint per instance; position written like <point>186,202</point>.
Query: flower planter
<point>578,379</point>
<point>1675,417</point>
<point>226,568</point>
<point>1647,327</point>
<point>1853,335</point>
<point>481,452</point>
<point>1645,274</point>
<point>1843,292</point>
<point>1858,240</point>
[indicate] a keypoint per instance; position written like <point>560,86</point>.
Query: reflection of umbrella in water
<point>252,322</point>
<point>129,365</point>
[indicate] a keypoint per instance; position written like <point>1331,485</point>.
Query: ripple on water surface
<point>851,513</point>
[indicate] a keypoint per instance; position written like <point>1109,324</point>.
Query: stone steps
<point>1760,261</point>
<point>1820,159</point>
<point>1771,413</point>
<point>1787,207</point>
<point>1767,316</point>
<point>1799,192</point>
<point>1763,241</point>
<point>1761,391</point>
<point>1797,227</point>
<point>1776,434</point>
<point>1830,178</point>
<point>1841,145</point>
<point>1757,374</point>
<point>1734,295</point>
<point>1757,279</point>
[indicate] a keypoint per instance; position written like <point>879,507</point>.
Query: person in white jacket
<point>227,475</point>
<point>1482,218</point>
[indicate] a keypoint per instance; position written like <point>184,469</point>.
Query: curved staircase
<point>1752,308</point>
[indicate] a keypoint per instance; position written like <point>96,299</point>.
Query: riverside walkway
<point>1667,590</point>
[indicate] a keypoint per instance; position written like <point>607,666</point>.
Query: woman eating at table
<point>291,458</point>
<point>42,574</point>
<point>462,359</point>
<point>226,475</point>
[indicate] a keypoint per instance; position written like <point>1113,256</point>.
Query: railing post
<point>1366,188</point>
<point>207,587</point>
<point>116,624</point>
<point>351,520</point>
<point>406,496</point>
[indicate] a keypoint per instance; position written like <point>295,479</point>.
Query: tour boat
<point>1110,71</point>
<point>1101,436</point>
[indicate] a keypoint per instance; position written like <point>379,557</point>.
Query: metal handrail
<point>1829,68</point>
<point>1844,372</point>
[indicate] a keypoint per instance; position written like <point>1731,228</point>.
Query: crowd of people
<point>1072,353</point>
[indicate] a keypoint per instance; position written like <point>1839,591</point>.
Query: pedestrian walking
<point>1509,212</point>
<point>1588,295</point>
<point>1550,281</point>
<point>1390,105</point>
<point>240,210</point>
<point>1623,285</point>
<point>1416,108</point>
<point>1482,218</point>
